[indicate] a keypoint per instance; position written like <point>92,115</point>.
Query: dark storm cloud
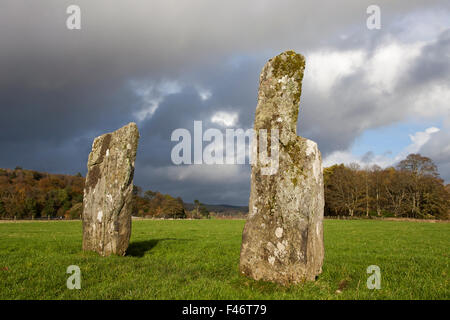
<point>59,88</point>
<point>235,91</point>
<point>433,64</point>
<point>55,114</point>
<point>52,129</point>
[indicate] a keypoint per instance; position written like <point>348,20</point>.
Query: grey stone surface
<point>282,239</point>
<point>108,192</point>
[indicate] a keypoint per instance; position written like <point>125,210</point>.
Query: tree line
<point>154,204</point>
<point>31,194</point>
<point>28,194</point>
<point>411,189</point>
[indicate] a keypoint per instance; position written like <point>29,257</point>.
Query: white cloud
<point>438,149</point>
<point>346,92</point>
<point>325,68</point>
<point>418,140</point>
<point>388,63</point>
<point>431,101</point>
<point>204,94</point>
<point>381,70</point>
<point>226,119</point>
<point>152,94</point>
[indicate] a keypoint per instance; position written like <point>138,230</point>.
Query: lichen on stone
<point>108,191</point>
<point>290,202</point>
<point>292,65</point>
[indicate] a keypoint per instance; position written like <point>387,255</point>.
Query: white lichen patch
<point>254,211</point>
<point>280,250</point>
<point>281,247</point>
<point>284,81</point>
<point>270,246</point>
<point>311,147</point>
<point>279,232</point>
<point>317,169</point>
<point>100,216</point>
<point>271,260</point>
<point>107,153</point>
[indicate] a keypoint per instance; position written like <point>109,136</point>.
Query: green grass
<point>199,259</point>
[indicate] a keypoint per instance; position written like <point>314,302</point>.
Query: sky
<point>368,96</point>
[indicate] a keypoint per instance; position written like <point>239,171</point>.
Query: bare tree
<point>346,190</point>
<point>417,169</point>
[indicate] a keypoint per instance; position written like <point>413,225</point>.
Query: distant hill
<point>222,209</point>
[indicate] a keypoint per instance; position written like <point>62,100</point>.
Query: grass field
<point>198,259</point>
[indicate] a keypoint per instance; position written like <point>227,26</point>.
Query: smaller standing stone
<point>108,192</point>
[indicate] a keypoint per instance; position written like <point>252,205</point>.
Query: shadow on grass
<point>139,248</point>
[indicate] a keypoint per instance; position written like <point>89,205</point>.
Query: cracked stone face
<point>282,239</point>
<point>108,192</point>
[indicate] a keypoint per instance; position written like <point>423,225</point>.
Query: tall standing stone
<point>108,192</point>
<point>282,239</point>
